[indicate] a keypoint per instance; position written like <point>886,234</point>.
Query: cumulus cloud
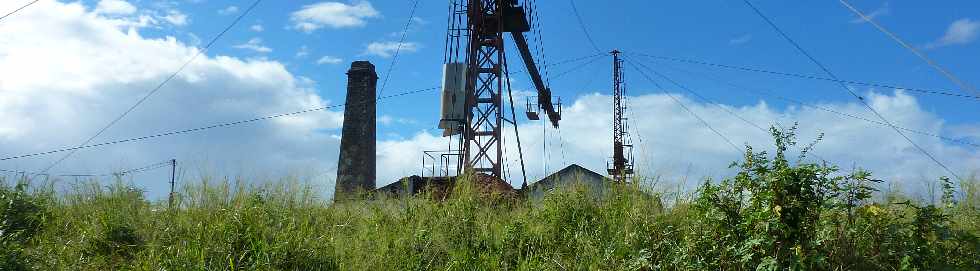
<point>679,149</point>
<point>176,18</point>
<point>303,51</point>
<point>228,10</point>
<point>114,7</point>
<point>257,28</point>
<point>254,44</point>
<point>962,31</point>
<point>333,15</point>
<point>387,49</point>
<point>102,69</point>
<point>329,60</point>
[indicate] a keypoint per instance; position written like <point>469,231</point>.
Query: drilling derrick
<point>474,80</point>
<point>622,161</point>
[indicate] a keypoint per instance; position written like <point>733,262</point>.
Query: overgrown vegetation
<point>777,213</point>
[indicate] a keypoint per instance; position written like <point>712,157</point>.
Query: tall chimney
<point>356,167</point>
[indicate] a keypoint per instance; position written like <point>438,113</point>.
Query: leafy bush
<point>776,213</point>
<point>22,216</point>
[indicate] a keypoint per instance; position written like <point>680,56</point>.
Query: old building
<point>567,177</point>
<point>356,166</point>
<point>440,187</point>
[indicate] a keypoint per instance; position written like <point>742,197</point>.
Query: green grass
<point>771,216</point>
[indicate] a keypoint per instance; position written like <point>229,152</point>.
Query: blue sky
<point>717,31</point>
<point>291,55</point>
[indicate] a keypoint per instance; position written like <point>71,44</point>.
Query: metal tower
<point>482,25</point>
<point>622,161</point>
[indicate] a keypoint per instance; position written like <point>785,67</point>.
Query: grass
<point>751,221</point>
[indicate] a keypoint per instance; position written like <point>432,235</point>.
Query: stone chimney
<point>356,167</point>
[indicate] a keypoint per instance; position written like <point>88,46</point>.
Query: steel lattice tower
<point>482,145</point>
<point>622,167</point>
<point>475,39</point>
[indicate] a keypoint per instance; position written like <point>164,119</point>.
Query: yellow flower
<point>778,210</point>
<point>875,210</point>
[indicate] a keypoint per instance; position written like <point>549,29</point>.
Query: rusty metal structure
<point>476,76</point>
<point>621,168</point>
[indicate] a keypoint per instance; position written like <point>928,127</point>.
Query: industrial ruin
<point>473,114</point>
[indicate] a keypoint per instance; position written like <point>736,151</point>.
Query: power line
<point>398,48</point>
<point>584,29</point>
<point>119,173</point>
<point>566,61</point>
<point>729,111</point>
<point>705,99</point>
<point>226,124</point>
<point>158,87</point>
<point>811,77</point>
<point>678,101</point>
<point>865,103</point>
<point>580,66</point>
<point>18,9</point>
<point>763,93</point>
<point>944,71</point>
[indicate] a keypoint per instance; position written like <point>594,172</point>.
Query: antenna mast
<point>622,162</point>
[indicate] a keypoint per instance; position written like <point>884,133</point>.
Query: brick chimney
<point>356,167</point>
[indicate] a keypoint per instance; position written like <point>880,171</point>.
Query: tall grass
<point>751,221</point>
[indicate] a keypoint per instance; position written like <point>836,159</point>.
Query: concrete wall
<point>356,167</point>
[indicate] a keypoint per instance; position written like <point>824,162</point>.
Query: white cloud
<point>387,49</point>
<point>962,31</point>
<point>114,7</point>
<point>329,60</point>
<point>743,39</point>
<point>885,9</point>
<point>102,69</point>
<point>333,15</point>
<point>676,146</point>
<point>228,10</point>
<point>254,44</point>
<point>303,51</point>
<point>257,28</point>
<point>387,120</point>
<point>176,18</point>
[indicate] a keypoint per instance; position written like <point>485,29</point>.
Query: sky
<point>68,68</point>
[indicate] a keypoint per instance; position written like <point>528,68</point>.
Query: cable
<point>120,173</point>
<point>573,69</point>
<point>811,77</point>
<point>764,130</point>
<point>702,97</point>
<point>763,93</point>
<point>584,29</point>
<point>158,87</point>
<point>398,48</point>
<point>226,124</point>
<point>570,60</point>
<point>947,73</point>
<point>865,103</point>
<point>513,116</point>
<point>678,101</point>
<point>18,9</point>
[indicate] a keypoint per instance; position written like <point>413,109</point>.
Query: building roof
<point>572,173</point>
<point>441,186</point>
<point>567,177</point>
